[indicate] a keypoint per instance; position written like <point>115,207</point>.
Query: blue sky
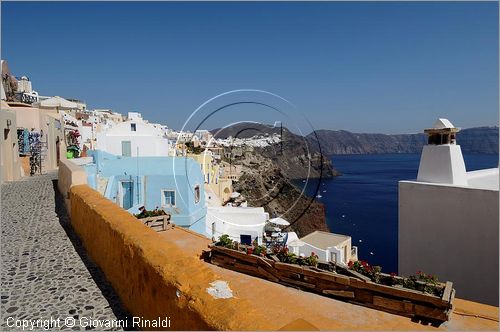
<point>365,67</point>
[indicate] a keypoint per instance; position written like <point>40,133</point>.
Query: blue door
<point>127,194</point>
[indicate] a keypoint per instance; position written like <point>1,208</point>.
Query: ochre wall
<point>154,278</point>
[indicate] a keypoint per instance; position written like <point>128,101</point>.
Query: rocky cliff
<point>296,156</point>
<point>264,184</point>
<point>268,173</point>
<point>472,140</point>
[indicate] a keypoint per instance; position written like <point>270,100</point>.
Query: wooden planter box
<point>354,287</point>
<point>158,223</point>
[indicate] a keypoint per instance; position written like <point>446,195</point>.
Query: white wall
<point>235,221</point>
<point>451,232</point>
<point>149,140</point>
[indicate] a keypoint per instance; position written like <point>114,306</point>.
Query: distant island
<point>472,140</point>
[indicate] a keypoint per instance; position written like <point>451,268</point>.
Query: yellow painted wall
<point>153,277</point>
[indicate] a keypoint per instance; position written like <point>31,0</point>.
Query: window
<point>133,127</point>
<point>168,198</point>
<point>126,149</point>
<point>196,193</point>
<point>245,239</point>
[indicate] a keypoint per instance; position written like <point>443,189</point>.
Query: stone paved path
<point>45,271</point>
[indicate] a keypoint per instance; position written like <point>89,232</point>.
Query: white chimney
<point>442,160</point>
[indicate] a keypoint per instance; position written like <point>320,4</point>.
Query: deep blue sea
<point>363,202</point>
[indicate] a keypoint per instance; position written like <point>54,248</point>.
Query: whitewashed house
<point>134,137</point>
<point>448,219</point>
<point>242,224</point>
<point>330,247</point>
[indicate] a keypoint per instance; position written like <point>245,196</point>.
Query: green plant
<point>423,282</point>
<point>225,241</point>
<point>291,258</point>
<point>146,213</point>
<point>312,260</point>
<point>281,252</point>
<point>260,250</point>
<point>373,272</point>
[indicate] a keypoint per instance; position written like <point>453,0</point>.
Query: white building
<point>242,224</point>
<point>134,137</point>
<point>330,247</point>
<point>448,219</point>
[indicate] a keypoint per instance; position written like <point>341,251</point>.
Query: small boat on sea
<point>318,196</point>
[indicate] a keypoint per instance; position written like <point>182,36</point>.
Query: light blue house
<point>174,184</point>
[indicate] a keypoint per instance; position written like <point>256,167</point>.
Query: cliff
<point>297,157</point>
<point>268,173</point>
<point>471,140</point>
<point>264,184</point>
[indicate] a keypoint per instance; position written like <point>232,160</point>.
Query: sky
<point>385,67</point>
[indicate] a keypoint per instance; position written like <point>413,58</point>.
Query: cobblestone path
<point>45,272</point>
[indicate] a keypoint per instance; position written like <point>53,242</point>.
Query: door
<point>58,152</point>
<point>126,149</point>
<point>333,257</point>
<point>127,194</point>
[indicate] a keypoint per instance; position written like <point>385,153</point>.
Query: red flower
<point>350,264</point>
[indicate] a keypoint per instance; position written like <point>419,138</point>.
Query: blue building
<point>174,184</point>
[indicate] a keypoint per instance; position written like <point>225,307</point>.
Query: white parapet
<point>442,164</point>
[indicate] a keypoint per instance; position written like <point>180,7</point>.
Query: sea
<point>363,201</point>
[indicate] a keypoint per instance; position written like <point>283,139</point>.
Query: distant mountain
<point>471,140</point>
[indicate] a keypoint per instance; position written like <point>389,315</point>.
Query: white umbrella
<point>235,195</point>
<point>279,221</point>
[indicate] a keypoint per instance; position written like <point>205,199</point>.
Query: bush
<point>154,213</point>
<point>372,272</point>
<point>225,241</point>
<point>312,260</point>
<point>260,250</point>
